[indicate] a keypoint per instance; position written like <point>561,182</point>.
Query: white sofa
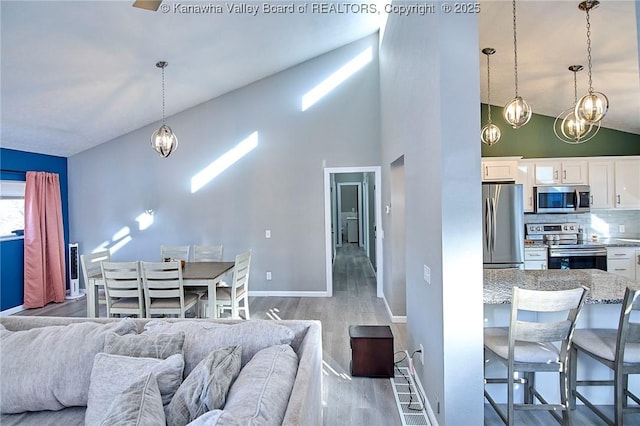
<point>48,363</point>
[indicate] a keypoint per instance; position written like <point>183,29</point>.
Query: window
<point>11,208</point>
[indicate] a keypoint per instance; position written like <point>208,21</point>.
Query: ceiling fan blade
<point>147,4</point>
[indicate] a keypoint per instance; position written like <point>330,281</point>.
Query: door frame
<point>377,171</point>
<point>358,186</point>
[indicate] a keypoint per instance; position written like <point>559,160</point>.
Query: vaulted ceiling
<point>75,74</point>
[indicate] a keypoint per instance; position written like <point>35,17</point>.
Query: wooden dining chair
<point>618,349</point>
<point>204,253</point>
<point>175,252</point>
<point>90,264</point>
<point>164,291</point>
<point>535,343</point>
<point>235,297</point>
<point>123,288</point>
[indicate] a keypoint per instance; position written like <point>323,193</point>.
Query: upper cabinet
<point>601,183</point>
<point>554,172</point>
<point>627,183</point>
<point>503,169</point>
<point>614,181</point>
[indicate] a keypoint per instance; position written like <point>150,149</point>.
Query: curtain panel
<point>44,254</point>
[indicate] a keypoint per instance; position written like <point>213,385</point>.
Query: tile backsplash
<point>603,223</point>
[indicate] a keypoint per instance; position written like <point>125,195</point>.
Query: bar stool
<point>529,346</point>
<point>617,349</point>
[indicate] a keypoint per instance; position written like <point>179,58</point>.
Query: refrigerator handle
<point>494,219</point>
<point>487,224</point>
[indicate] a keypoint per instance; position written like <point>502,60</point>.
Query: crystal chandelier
<point>593,106</point>
<point>517,112</point>
<point>490,132</point>
<point>570,128</point>
<point>163,140</point>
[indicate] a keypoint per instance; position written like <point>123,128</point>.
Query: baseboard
<point>394,318</point>
<point>11,311</point>
<point>288,293</point>
<point>432,417</point>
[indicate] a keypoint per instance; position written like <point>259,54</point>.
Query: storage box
<point>371,350</point>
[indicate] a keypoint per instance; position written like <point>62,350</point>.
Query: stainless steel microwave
<point>562,199</point>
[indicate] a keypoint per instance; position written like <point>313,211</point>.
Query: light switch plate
<point>267,233</point>
<point>621,228</point>
<point>268,275</point>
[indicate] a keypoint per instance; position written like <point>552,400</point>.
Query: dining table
<point>194,274</point>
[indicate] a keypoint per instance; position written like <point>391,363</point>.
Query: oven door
<point>577,259</point>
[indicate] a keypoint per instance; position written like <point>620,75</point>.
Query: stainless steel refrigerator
<point>503,225</point>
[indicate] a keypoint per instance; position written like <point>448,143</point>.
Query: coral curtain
<point>44,255</point>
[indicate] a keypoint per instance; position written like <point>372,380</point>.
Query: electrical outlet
<point>267,233</point>
<point>268,275</point>
<point>621,228</point>
<point>421,354</point>
<point>427,274</point>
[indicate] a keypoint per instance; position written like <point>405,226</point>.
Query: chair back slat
<point>163,281</point>
<point>548,301</point>
<point>202,253</point>
<point>541,332</point>
<point>241,271</point>
<point>90,264</point>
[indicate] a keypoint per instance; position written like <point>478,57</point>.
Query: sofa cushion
<point>206,387</point>
<point>112,374</point>
<point>204,337</point>
<point>215,418</point>
<point>49,368</point>
<point>138,405</point>
<point>72,416</point>
<point>160,346</point>
<point>260,394</point>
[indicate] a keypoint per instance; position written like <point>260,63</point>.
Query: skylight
<point>223,162</point>
<point>337,78</point>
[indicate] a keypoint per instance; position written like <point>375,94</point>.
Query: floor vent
<point>409,401</point>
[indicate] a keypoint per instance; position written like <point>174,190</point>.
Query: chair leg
<point>510,386</point>
<point>565,392</point>
<point>529,386</point>
<point>573,376</point>
<point>619,396</point>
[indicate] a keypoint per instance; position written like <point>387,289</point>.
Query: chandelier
<point>163,140</point>
<point>570,128</point>
<point>517,112</point>
<point>490,133</point>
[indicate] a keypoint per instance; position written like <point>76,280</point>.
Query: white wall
<point>429,68</point>
<point>277,186</point>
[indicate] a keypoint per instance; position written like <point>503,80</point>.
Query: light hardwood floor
<point>348,400</point>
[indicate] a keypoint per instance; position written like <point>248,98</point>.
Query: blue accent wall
<point>13,166</point>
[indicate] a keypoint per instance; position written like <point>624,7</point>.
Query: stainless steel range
<point>566,249</point>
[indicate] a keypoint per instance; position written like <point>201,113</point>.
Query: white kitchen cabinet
<point>601,183</point>
<point>567,172</point>
<point>627,183</point>
<point>535,258</point>
<point>621,261</point>
<point>499,170</point>
<point>526,177</point>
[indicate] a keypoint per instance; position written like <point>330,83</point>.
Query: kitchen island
<point>601,310</point>
<point>604,287</point>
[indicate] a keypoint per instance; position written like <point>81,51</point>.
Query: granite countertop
<point>620,242</point>
<point>604,287</point>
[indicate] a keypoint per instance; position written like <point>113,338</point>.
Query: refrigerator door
<point>503,233</point>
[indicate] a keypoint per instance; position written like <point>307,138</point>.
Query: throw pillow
<point>260,394</point>
<point>160,346</point>
<point>204,337</point>
<point>112,374</point>
<point>139,405</point>
<point>49,368</point>
<point>206,388</point>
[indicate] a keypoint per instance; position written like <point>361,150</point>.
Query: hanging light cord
<point>515,47</point>
<point>575,87</point>
<point>163,122</point>
<point>488,89</point>
<point>589,51</point>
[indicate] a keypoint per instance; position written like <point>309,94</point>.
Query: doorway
<point>352,215</point>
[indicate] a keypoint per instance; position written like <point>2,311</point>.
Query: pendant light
<point>163,140</point>
<point>593,106</point>
<point>517,112</point>
<point>568,127</point>
<point>490,132</point>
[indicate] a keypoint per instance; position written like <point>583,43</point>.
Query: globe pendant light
<point>568,127</point>
<point>163,140</point>
<point>490,132</point>
<point>593,106</point>
<point>517,112</point>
